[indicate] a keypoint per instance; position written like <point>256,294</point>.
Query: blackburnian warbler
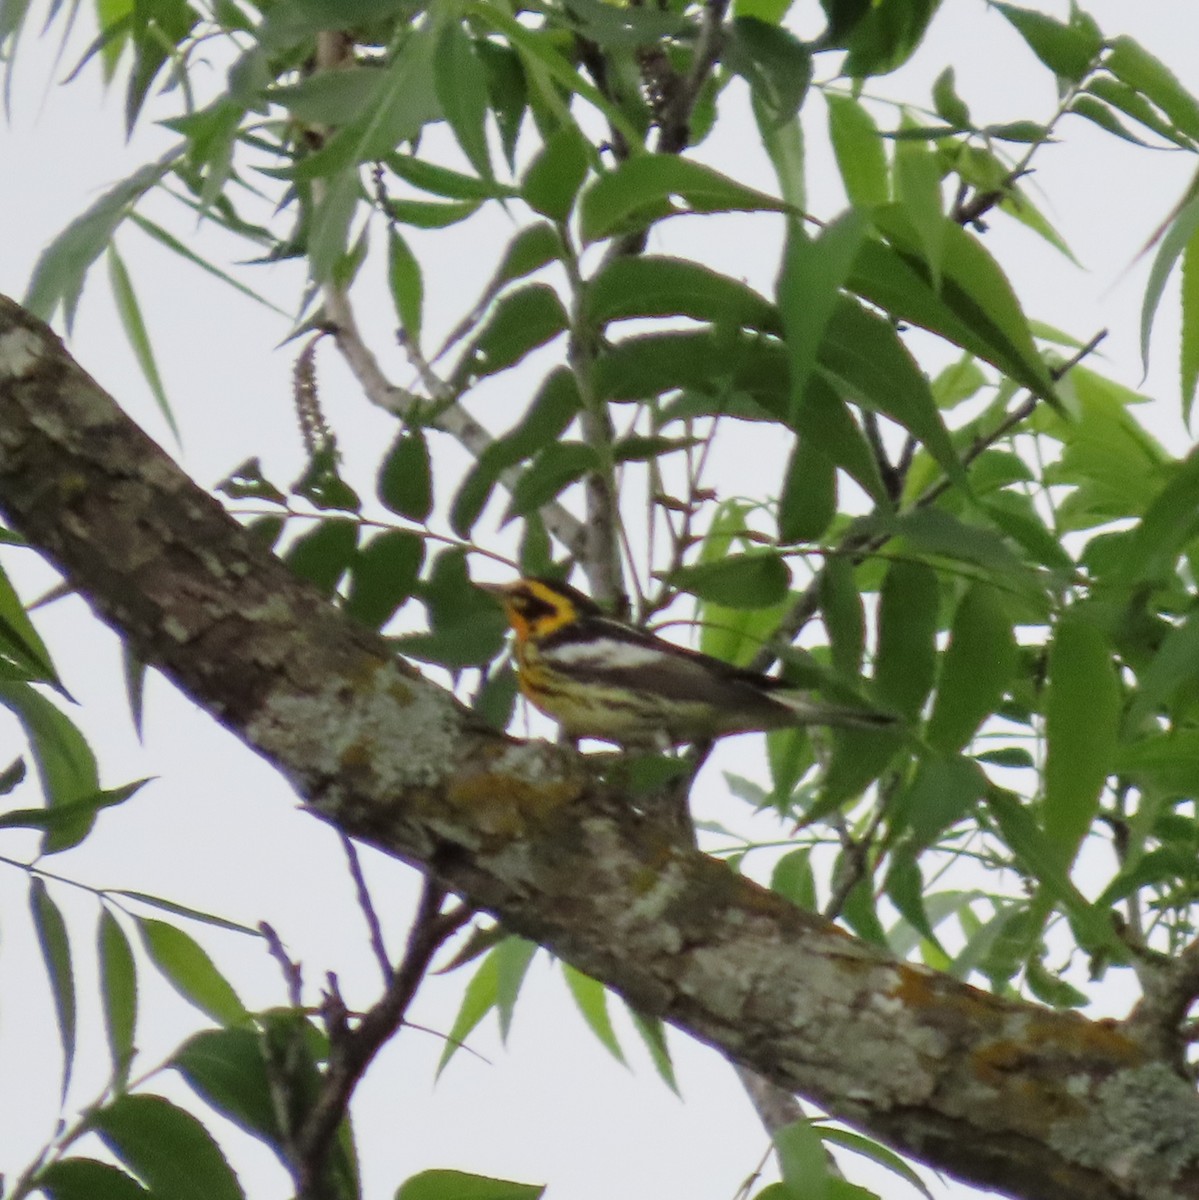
<point>600,678</point>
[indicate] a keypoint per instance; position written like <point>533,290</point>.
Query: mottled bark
<point>1040,1104</point>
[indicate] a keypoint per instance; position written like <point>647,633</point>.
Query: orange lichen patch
<point>506,804</point>
<point>919,988</point>
<point>1072,1037</point>
<point>356,755</point>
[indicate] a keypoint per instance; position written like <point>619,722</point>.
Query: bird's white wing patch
<point>606,653</point>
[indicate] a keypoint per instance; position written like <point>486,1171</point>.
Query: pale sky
<point>218,829</point>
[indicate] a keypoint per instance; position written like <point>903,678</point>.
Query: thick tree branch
<point>1041,1104</point>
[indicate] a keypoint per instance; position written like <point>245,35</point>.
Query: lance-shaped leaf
<point>66,766</point>
<point>167,1147</point>
<point>657,286</point>
<point>55,946</point>
<point>118,990</point>
<point>62,267</point>
<point>865,354</point>
<point>459,1185</point>
<point>649,187</point>
<point>1082,713</point>
<point>185,964</point>
<point>977,666</point>
<point>88,1179</point>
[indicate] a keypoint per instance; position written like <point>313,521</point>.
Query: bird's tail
<point>841,716</point>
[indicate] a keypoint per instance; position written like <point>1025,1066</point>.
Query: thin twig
<point>351,1050</point>
<point>366,904</point>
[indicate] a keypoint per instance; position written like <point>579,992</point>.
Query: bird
<point>604,679</point>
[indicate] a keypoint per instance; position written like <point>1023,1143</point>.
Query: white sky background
<point>218,829</point>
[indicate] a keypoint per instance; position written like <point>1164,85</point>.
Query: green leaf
<point>441,181</point>
<point>554,177</point>
<point>481,996</point>
<point>135,330</point>
<point>495,701</point>
<point>66,766</point>
<point>977,666</point>
<point>1050,989</point>
<point>513,957</point>
<point>329,233</point>
<point>975,309</point>
<point>399,102</point>
<point>649,187</point>
<point>462,91</point>
<point>1170,523</point>
<point>1067,50</point>
<point>824,418</point>
<point>406,477</point>
<point>940,534</point>
<point>864,352</point>
<point>1082,714</point>
<point>876,1152</point>
<point>19,638</point>
<point>653,1034</point>
<point>167,1147</point>
<point>1099,114</point>
<point>61,268</point>
<point>11,776</point>
<point>753,580</point>
<point>803,1161</point>
<point>325,553</point>
<point>542,59</point>
<point>425,214</point>
<point>226,1069</point>
<point>887,35</point>
<point>906,662</point>
<point>68,816</point>
<point>1134,65</point>
<point>553,408</point>
<point>762,10</point>
<point>407,286</point>
<point>656,286</point>
<point>904,887</point>
<point>1189,342</point>
<point>383,575</point>
<point>809,290</point>
<point>1130,102</point>
<point>591,997</point>
<point>1183,230</point>
<point>1174,664</point>
<point>949,105</point>
<point>185,965</point>
<point>861,154</point>
<point>524,319</point>
<point>793,879</point>
<point>182,910</point>
<point>844,616</point>
<point>330,97</point>
<point>941,793</point>
<point>118,991</point>
<point>172,243</point>
<point>809,496</point>
<point>509,92</point>
<point>55,948</point>
<point>1042,858</point>
<point>458,1185</point>
<point>918,192</point>
<point>776,65</point>
<point>553,470</point>
<point>88,1179</point>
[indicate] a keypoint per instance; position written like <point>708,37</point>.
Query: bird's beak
<point>498,590</point>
